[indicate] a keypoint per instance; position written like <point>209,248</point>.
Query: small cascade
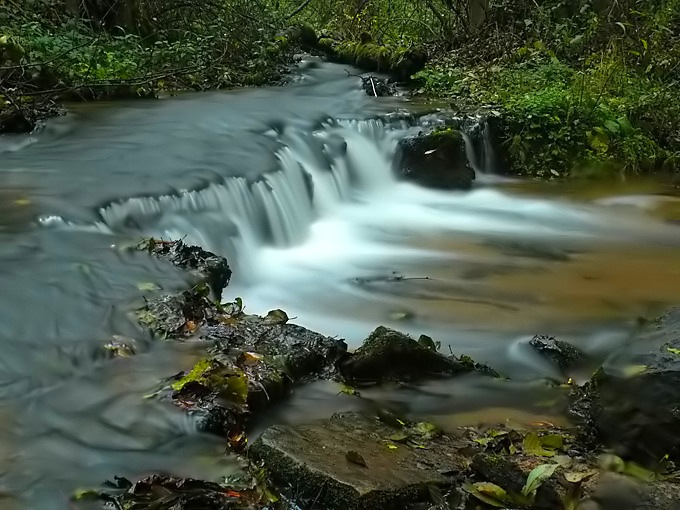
<point>318,172</point>
<point>478,146</point>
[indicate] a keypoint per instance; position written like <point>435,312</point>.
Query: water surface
<point>295,186</point>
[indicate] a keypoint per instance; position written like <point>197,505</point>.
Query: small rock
<point>388,355</point>
<point>562,354</point>
<point>435,160</point>
<point>214,269</point>
<point>377,87</point>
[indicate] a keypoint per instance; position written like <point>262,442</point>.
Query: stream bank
<point>377,459</point>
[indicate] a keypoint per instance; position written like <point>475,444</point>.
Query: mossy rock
<point>435,160</point>
<point>388,355</point>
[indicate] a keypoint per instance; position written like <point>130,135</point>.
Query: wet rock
<point>208,266</point>
<point>435,160</point>
<point>167,492</point>
<point>254,364</point>
<point>377,87</point>
<point>562,354</point>
<point>388,355</point>
<point>618,492</point>
<point>348,463</point>
<point>178,315</point>
<point>634,405</point>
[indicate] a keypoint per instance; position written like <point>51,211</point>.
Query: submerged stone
<point>349,463</point>
<point>561,354</point>
<point>435,160</point>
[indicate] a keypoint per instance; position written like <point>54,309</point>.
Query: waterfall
<point>317,172</point>
<point>341,162</point>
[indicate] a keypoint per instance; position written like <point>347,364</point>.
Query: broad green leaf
<point>490,493</point>
<point>426,430</point>
<point>532,446</point>
<point>537,476</point>
<point>552,441</point>
<point>612,126</point>
<point>625,125</point>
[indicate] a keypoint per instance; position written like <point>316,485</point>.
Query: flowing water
<point>295,186</point>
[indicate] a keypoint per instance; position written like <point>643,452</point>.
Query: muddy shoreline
<point>620,453</point>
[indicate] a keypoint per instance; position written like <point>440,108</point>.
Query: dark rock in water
<point>618,492</point>
<point>16,121</point>
<point>635,407</point>
<point>388,355</point>
<point>177,315</point>
<point>255,363</point>
<point>214,269</point>
<point>377,87</point>
<point>349,463</point>
<point>435,160</point>
<point>562,354</point>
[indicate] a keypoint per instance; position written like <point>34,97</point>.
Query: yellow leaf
<point>392,446</point>
<point>633,370</point>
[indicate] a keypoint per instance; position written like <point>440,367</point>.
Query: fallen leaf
<point>532,446</point>
<point>537,476</point>
<point>251,358</point>
<point>490,493</point>
<point>399,437</point>
<point>427,153</point>
<point>348,390</point>
<point>633,370</point>
<point>356,458</point>
<point>579,476</point>
<point>392,446</point>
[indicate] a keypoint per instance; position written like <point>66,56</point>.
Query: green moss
<point>197,374</point>
<point>229,382</point>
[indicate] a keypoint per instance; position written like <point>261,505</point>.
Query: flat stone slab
<point>348,462</point>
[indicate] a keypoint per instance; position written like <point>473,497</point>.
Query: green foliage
<point>139,48</point>
<point>579,93</point>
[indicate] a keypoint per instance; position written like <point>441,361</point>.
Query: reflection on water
<point>295,186</point>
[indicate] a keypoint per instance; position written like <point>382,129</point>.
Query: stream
<point>294,185</point>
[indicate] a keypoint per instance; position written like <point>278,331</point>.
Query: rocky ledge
<point>620,454</point>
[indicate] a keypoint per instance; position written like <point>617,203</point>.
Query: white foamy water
<point>308,236</point>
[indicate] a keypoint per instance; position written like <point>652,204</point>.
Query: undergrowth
<point>592,94</point>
